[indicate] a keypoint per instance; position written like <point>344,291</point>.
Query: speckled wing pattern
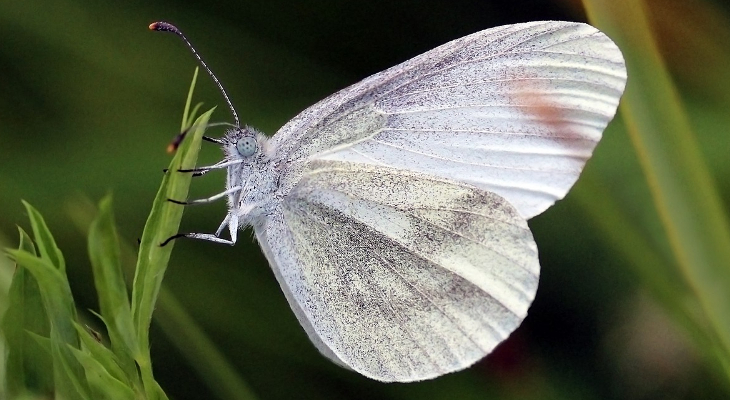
<point>515,110</point>
<point>398,275</point>
<point>401,240</point>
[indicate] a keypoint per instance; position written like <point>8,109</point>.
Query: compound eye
<point>246,146</point>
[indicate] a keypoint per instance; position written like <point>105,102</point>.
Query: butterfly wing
<point>515,110</point>
<point>401,239</point>
<point>399,275</point>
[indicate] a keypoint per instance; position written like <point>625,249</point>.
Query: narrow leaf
<point>43,342</point>
<point>187,115</point>
<point>28,366</point>
<point>681,185</point>
<point>69,381</point>
<point>103,356</point>
<point>43,238</point>
<point>159,392</point>
<point>163,222</point>
<point>182,330</point>
<point>69,376</point>
<point>190,121</point>
<point>648,265</point>
<point>55,293</point>
<point>110,286</point>
<point>103,385</point>
<point>26,243</point>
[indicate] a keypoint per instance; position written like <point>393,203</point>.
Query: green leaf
<point>681,185</point>
<point>647,265</point>
<point>187,115</point>
<point>26,243</point>
<point>102,383</point>
<point>112,291</point>
<point>184,332</point>
<point>43,238</point>
<point>69,376</point>
<point>162,223</point>
<point>28,366</point>
<point>55,293</point>
<point>191,120</point>
<point>43,342</point>
<point>105,357</point>
<point>159,392</point>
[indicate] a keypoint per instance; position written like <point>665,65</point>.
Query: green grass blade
<point>68,384</point>
<point>69,376</point>
<point>28,366</point>
<point>163,222</point>
<point>681,185</point>
<point>69,380</point>
<point>43,238</point>
<point>103,385</point>
<point>187,115</point>
<point>26,243</point>
<point>43,342</point>
<point>650,268</point>
<point>193,113</point>
<point>110,286</point>
<point>181,328</point>
<point>104,356</point>
<point>55,293</point>
<point>159,392</point>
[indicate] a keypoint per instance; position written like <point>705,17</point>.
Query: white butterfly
<point>394,212</point>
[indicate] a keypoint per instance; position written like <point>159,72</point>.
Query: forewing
<point>400,276</point>
<point>515,110</point>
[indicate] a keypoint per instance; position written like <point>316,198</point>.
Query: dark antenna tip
<point>162,26</point>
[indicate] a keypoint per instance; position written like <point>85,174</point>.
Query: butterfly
<point>394,212</point>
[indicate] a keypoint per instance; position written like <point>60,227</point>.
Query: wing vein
<point>433,303</point>
<point>428,259</point>
<point>443,228</point>
<point>494,105</point>
<point>499,131</point>
<point>506,80</point>
<point>556,171</point>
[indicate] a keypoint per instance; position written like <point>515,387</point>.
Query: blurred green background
<point>89,99</point>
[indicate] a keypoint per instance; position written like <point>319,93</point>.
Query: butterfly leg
<point>202,236</point>
<point>231,220</point>
<point>209,199</point>
<point>223,225</point>
<point>233,227</point>
<point>203,170</point>
<point>200,171</point>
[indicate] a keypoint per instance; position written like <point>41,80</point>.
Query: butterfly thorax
<point>252,178</point>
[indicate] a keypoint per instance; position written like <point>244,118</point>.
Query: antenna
<point>168,27</point>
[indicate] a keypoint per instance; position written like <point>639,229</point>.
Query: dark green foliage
<point>49,350</point>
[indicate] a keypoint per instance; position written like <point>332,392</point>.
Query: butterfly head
<point>247,146</point>
<point>250,169</point>
<point>245,143</point>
